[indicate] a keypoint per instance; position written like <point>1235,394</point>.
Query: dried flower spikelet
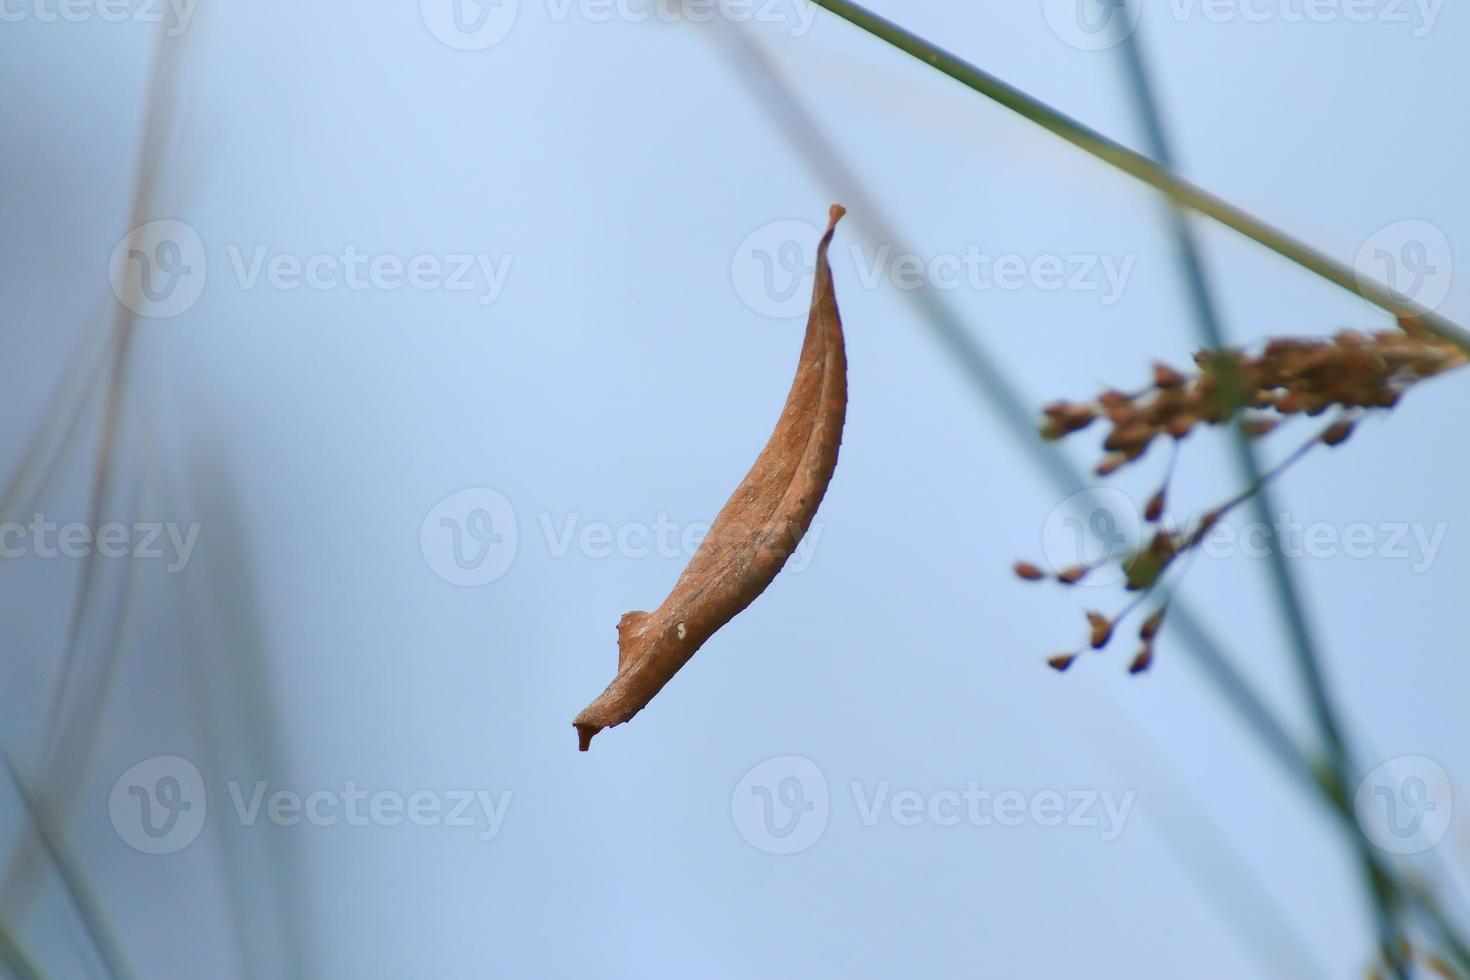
<point>1031,573</point>
<point>1350,373</point>
<point>1166,377</point>
<point>1143,661</point>
<point>1061,661</point>
<point>1338,432</point>
<point>1180,426</point>
<point>1065,418</point>
<point>1152,625</point>
<point>1073,575</point>
<point>1290,376</point>
<point>1102,629</point>
<point>1155,508</point>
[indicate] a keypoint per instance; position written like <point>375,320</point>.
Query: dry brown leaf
<point>756,531</point>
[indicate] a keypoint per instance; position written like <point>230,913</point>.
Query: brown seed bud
<point>1155,508</point>
<point>1290,403</point>
<point>1073,575</point>
<point>1180,425</point>
<point>1029,572</point>
<point>1167,377</point>
<point>1111,464</point>
<point>1152,624</point>
<point>1142,661</point>
<point>1125,437</point>
<point>1338,432</point>
<point>1102,629</point>
<point>1062,661</point>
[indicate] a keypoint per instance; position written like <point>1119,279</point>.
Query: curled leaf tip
<point>584,736</point>
<point>756,531</point>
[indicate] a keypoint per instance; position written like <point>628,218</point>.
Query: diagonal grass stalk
<point>73,881</point>
<point>1178,190</point>
<point>1286,590</point>
<point>14,957</point>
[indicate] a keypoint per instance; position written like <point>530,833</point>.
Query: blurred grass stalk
<point>1338,757</point>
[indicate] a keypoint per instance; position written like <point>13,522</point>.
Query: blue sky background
<point>619,375</point>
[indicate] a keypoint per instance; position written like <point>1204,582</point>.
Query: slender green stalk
<point>73,882</point>
<point>14,957</point>
<point>1179,190</point>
